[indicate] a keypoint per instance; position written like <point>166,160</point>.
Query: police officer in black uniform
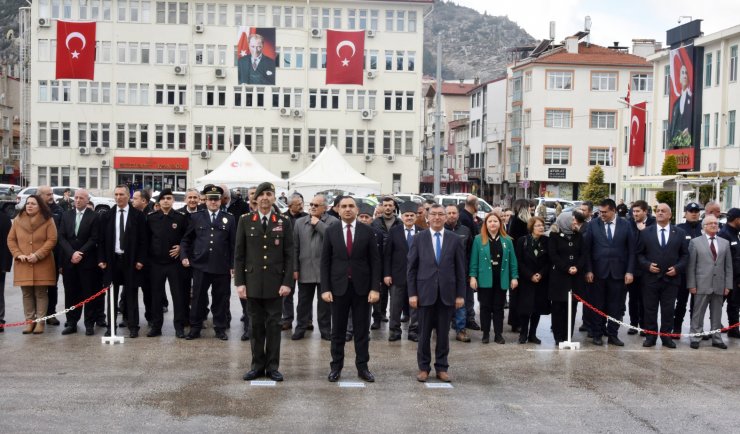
<point>692,227</point>
<point>166,230</point>
<point>208,247</point>
<point>263,264</point>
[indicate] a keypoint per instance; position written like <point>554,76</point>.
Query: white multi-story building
<point>567,114</point>
<point>166,107</point>
<point>719,92</point>
<point>488,169</point>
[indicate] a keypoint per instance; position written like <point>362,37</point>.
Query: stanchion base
<point>567,345</point>
<point>112,340</point>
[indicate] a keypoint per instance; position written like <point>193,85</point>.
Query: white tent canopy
<point>240,169</point>
<point>331,171</point>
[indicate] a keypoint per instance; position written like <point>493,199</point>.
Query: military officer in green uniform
<point>263,263</point>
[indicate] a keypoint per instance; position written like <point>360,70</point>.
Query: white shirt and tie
<point>78,220</point>
<point>664,233</point>
<point>437,242</point>
<point>352,226</point>
<point>119,229</point>
<point>610,227</point>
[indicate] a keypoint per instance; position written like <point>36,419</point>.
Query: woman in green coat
<point>493,270</point>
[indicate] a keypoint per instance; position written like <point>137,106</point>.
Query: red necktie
<point>349,240</point>
<point>712,248</point>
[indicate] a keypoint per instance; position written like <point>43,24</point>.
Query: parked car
<point>100,204</point>
<point>457,199</point>
<point>550,203</point>
<point>8,194</point>
<point>410,196</point>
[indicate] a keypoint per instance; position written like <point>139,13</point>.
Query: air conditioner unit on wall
<point>105,163</point>
<point>181,70</point>
<point>313,156</point>
<point>100,151</point>
<point>372,74</point>
<point>316,32</point>
<point>369,158</point>
<point>285,111</point>
<point>84,151</point>
<point>44,22</point>
<point>367,114</point>
<point>179,109</point>
<point>220,72</point>
<point>297,113</point>
<point>294,156</point>
<point>205,154</point>
<point>199,28</point>
<point>371,33</point>
<point>390,158</point>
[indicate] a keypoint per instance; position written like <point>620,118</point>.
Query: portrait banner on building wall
<point>681,97</point>
<point>257,56</point>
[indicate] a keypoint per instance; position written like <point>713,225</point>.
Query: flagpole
<point>438,120</point>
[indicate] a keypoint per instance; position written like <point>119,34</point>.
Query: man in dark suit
<point>78,242</point>
<point>662,254</point>
<point>6,261</point>
<point>166,230</point>
<point>46,193</point>
<point>350,277</point>
<point>731,232</point>
<point>692,227</point>
<point>208,247</point>
<point>264,275</point>
<point>122,251</point>
<point>396,250</point>
<point>256,67</point>
<point>640,220</point>
<point>436,285</point>
<point>610,249</point>
<point>384,223</point>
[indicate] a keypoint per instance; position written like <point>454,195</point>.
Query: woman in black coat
<point>6,261</point>
<point>517,229</point>
<point>568,259</point>
<point>534,264</point>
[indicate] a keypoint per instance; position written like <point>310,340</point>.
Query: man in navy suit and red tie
<point>350,281</point>
<point>436,287</point>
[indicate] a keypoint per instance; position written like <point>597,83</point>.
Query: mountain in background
<point>473,44</point>
<point>9,21</point>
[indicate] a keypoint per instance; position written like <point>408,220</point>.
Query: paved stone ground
<point>75,383</point>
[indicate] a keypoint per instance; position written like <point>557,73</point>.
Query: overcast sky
<point>611,20</point>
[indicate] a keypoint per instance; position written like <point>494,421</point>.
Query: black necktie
<point>213,218</point>
<point>121,228</point>
<point>264,223</point>
<point>662,238</point>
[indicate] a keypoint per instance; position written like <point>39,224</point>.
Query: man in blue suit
<point>610,249</point>
<point>436,287</point>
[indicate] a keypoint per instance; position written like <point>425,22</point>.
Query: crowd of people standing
<point>422,264</point>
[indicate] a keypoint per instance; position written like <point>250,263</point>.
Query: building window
<point>603,120</point>
<point>600,156</point>
<point>642,82</point>
<point>733,63</point>
<point>731,128</point>
<point>528,81</point>
<point>665,135</point>
<point>707,120</point>
<point>716,81</point>
<point>604,81</point>
<point>716,129</point>
<point>708,70</point>
<point>555,118</point>
<point>557,155</point>
<point>559,80</point>
<point>666,79</point>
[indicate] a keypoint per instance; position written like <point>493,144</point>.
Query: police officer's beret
<point>165,192</point>
<point>732,214</point>
<point>212,191</point>
<point>265,186</point>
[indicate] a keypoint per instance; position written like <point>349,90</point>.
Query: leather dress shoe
<point>613,340</point>
<point>486,338</point>
<point>632,331</point>
<point>348,337</point>
<point>220,334</point>
<point>123,323</point>
<point>582,328</point>
<point>286,326</point>
<point>734,333</point>
<point>180,333</point>
<point>394,337</point>
<point>153,333</point>
<point>133,334</point>
<point>366,375</point>
<point>326,336</point>
<point>375,325</point>
<point>107,333</point>
<point>422,376</point>
<point>534,339</point>
<point>694,345</point>
<point>53,321</point>
<point>669,343</point>
<point>89,331</point>
<point>309,327</point>
<point>598,341</point>
<point>298,335</point>
<point>253,374</point>
<point>472,325</point>
<point>245,335</point>
<point>101,323</point>
<point>192,335</point>
<point>522,339</point>
<point>462,336</point>
<point>720,345</point>
<point>499,339</point>
<point>274,375</point>
<point>334,376</point>
<point>705,337</point>
<point>649,342</point>
<point>443,376</point>
<point>69,330</point>
<point>384,318</point>
<point>413,337</point>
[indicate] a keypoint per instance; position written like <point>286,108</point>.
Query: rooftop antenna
<point>552,30</point>
<point>587,29</point>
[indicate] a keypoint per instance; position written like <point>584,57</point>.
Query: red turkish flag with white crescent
<point>637,135</point>
<point>345,57</point>
<point>75,50</point>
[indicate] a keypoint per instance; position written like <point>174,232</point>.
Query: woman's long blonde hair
<point>484,229</point>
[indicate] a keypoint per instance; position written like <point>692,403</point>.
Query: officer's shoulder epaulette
<point>200,211</point>
<point>152,212</point>
<point>180,212</point>
<point>226,212</point>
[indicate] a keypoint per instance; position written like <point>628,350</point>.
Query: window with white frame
<point>559,80</point>
<point>603,120</point>
<point>360,99</point>
<point>248,96</point>
<point>642,82</point>
<point>210,96</point>
<point>172,12</point>
<point>210,54</point>
<point>600,156</point>
<point>731,127</point>
<point>558,118</point>
<point>716,129</point>
<point>528,81</point>
<point>705,125</point>
<point>240,135</point>
<point>665,135</point>
<point>708,70</point>
<point>603,81</point>
<point>170,94</point>
<point>102,52</point>
<point>132,93</point>
<point>291,57</point>
<point>55,91</point>
<point>557,155</point>
<point>399,100</point>
<point>170,54</point>
<point>93,92</point>
<point>666,79</point>
<point>733,63</point>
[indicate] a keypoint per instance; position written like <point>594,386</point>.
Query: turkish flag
<point>345,57</point>
<point>75,50</point>
<point>637,135</point>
